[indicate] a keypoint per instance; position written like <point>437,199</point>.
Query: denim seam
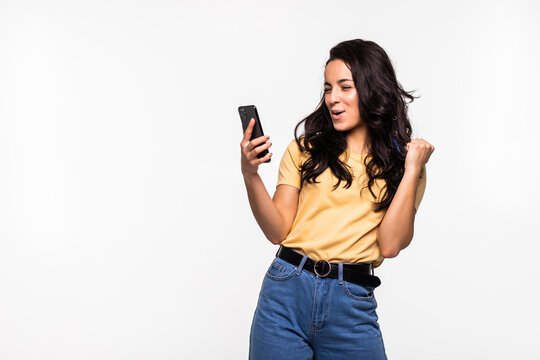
<point>312,326</point>
<point>355,297</point>
<point>278,266</point>
<point>280,278</point>
<point>327,305</point>
<point>300,266</point>
<point>281,269</point>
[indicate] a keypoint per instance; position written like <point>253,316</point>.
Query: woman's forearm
<point>266,213</point>
<point>397,227</point>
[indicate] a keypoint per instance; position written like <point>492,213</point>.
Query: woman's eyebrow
<point>339,81</point>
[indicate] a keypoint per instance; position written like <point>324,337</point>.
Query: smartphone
<point>247,112</point>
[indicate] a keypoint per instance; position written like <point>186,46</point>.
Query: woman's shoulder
<point>293,145</point>
<point>294,152</point>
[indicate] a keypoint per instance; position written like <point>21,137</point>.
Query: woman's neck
<point>358,140</point>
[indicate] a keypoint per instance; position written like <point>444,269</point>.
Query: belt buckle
<point>325,274</point>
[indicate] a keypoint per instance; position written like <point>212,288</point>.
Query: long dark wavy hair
<point>383,109</point>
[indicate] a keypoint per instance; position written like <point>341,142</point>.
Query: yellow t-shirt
<point>339,225</point>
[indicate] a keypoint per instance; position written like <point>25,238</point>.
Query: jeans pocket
<point>280,270</point>
<point>359,292</point>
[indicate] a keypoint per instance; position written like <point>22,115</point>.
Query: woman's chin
<point>340,127</point>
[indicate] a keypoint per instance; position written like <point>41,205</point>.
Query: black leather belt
<point>358,273</point>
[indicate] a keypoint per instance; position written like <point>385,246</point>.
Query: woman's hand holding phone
<point>250,150</point>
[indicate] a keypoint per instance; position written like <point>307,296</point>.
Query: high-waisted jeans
<point>302,316</point>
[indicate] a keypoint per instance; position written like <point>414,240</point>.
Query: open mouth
<point>337,114</point>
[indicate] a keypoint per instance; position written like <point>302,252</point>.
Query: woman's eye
<point>346,87</point>
<point>327,90</point>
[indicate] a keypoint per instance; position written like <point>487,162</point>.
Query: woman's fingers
<point>249,146</point>
<point>263,147</point>
<point>266,157</point>
<point>418,153</point>
<point>252,148</point>
<point>257,150</point>
<point>249,130</point>
<point>258,141</point>
<point>420,144</point>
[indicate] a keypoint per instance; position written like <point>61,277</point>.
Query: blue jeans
<point>302,316</point>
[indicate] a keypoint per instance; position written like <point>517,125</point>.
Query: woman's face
<point>340,96</point>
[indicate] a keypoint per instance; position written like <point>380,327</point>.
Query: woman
<point>346,197</point>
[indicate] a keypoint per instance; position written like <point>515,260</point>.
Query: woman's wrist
<point>413,172</point>
<point>249,176</point>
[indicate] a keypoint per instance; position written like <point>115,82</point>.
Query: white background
<point>125,229</point>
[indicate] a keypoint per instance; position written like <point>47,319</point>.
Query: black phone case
<point>246,113</point>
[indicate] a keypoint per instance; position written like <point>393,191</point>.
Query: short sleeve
<point>289,167</point>
<point>421,188</point>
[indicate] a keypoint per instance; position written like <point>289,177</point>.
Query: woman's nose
<point>334,96</point>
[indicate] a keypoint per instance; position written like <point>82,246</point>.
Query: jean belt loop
<point>372,269</point>
<point>301,265</point>
<point>340,273</point>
